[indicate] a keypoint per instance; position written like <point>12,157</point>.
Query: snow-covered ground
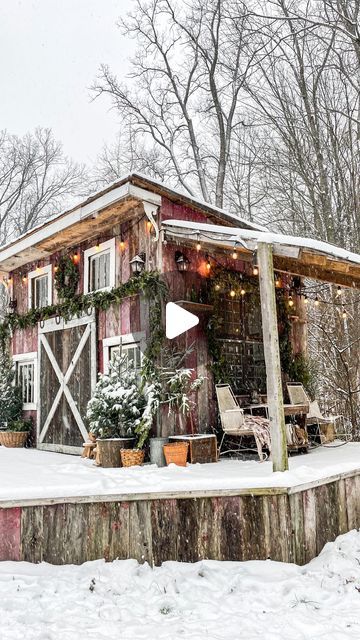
<point>31,474</point>
<point>207,600</point>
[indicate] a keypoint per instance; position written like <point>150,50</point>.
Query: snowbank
<point>212,600</point>
<point>32,474</point>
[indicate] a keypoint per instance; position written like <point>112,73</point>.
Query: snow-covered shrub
<point>10,393</point>
<point>121,405</point>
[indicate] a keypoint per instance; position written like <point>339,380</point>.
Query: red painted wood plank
<point>10,533</point>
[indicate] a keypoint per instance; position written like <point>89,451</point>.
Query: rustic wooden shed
<point>135,223</point>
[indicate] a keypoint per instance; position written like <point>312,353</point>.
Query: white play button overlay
<point>178,320</point>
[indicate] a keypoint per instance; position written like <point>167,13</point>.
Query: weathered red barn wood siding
<point>289,526</point>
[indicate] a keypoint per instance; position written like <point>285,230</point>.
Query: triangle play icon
<point>178,320</point>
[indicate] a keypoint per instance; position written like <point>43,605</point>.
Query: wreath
<point>66,278</point>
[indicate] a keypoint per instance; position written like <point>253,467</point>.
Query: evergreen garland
<point>147,283</point>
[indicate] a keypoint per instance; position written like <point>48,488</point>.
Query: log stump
<point>108,451</point>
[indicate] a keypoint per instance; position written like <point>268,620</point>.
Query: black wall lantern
<point>182,262</point>
<point>137,264</point>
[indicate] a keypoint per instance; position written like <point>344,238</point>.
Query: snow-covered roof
<point>250,238</point>
<point>131,184</point>
<point>292,254</point>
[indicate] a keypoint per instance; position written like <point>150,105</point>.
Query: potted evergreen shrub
<point>13,430</point>
<point>15,435</point>
<point>120,412</point>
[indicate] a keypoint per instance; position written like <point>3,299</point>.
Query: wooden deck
<point>286,524</point>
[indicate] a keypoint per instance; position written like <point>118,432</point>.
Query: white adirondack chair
<point>233,420</point>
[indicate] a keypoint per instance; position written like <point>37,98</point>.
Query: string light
<point>277,282</point>
<point>56,268</point>
<point>317,302</point>
<point>24,278</point>
<point>76,258</point>
<point>198,244</point>
<point>122,245</point>
<point>232,293</point>
<point>217,287</point>
<point>339,291</point>
<point>306,299</point>
<point>38,267</point>
<point>242,291</point>
<point>291,301</point>
<point>97,248</point>
<point>255,270</point>
<point>344,314</point>
<point>10,281</point>
<point>234,253</point>
<point>208,263</point>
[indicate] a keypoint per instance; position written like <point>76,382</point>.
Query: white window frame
<point>38,273</point>
<point>29,358</point>
<point>108,246</point>
<point>127,340</point>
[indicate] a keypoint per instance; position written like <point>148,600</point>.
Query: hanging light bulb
<point>277,281</point>
<point>24,278</point>
<point>208,263</point>
<point>56,268</point>
<point>306,299</point>
<point>76,258</point>
<point>122,245</point>
<point>242,291</point>
<point>38,268</point>
<point>255,269</point>
<point>234,254</point>
<point>198,244</point>
<point>10,281</point>
<point>217,287</point>
<point>339,291</point>
<point>344,314</point>
<point>149,226</point>
<point>317,302</point>
<point>290,301</point>
<point>232,293</point>
<point>97,248</point>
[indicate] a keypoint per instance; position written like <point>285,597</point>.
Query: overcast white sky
<point>50,51</point>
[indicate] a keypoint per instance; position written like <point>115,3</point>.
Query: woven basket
<point>131,457</point>
<point>176,452</point>
<point>13,438</point>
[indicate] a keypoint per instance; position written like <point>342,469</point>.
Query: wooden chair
<point>298,395</point>
<point>233,420</point>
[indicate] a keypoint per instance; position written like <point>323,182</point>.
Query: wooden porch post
<point>272,358</point>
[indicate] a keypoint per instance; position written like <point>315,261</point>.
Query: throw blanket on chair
<point>261,429</point>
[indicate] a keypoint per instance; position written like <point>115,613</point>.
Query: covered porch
<point>271,256</point>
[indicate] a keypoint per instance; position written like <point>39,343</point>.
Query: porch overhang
<point>291,254</point>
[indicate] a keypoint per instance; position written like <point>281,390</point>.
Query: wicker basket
<point>131,457</point>
<point>13,438</point>
<point>176,452</point>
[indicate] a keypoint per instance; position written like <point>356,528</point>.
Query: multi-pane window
<point>99,267</point>
<point>40,292</point>
<point>40,287</point>
<point>131,351</point>
<point>240,337</point>
<point>99,271</point>
<point>26,380</point>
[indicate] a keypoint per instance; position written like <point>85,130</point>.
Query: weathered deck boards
<point>290,525</point>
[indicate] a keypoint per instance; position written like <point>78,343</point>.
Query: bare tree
<point>184,95</point>
<point>36,180</point>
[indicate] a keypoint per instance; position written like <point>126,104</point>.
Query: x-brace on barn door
<point>67,377</point>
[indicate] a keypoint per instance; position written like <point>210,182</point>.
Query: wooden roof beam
<point>316,272</point>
